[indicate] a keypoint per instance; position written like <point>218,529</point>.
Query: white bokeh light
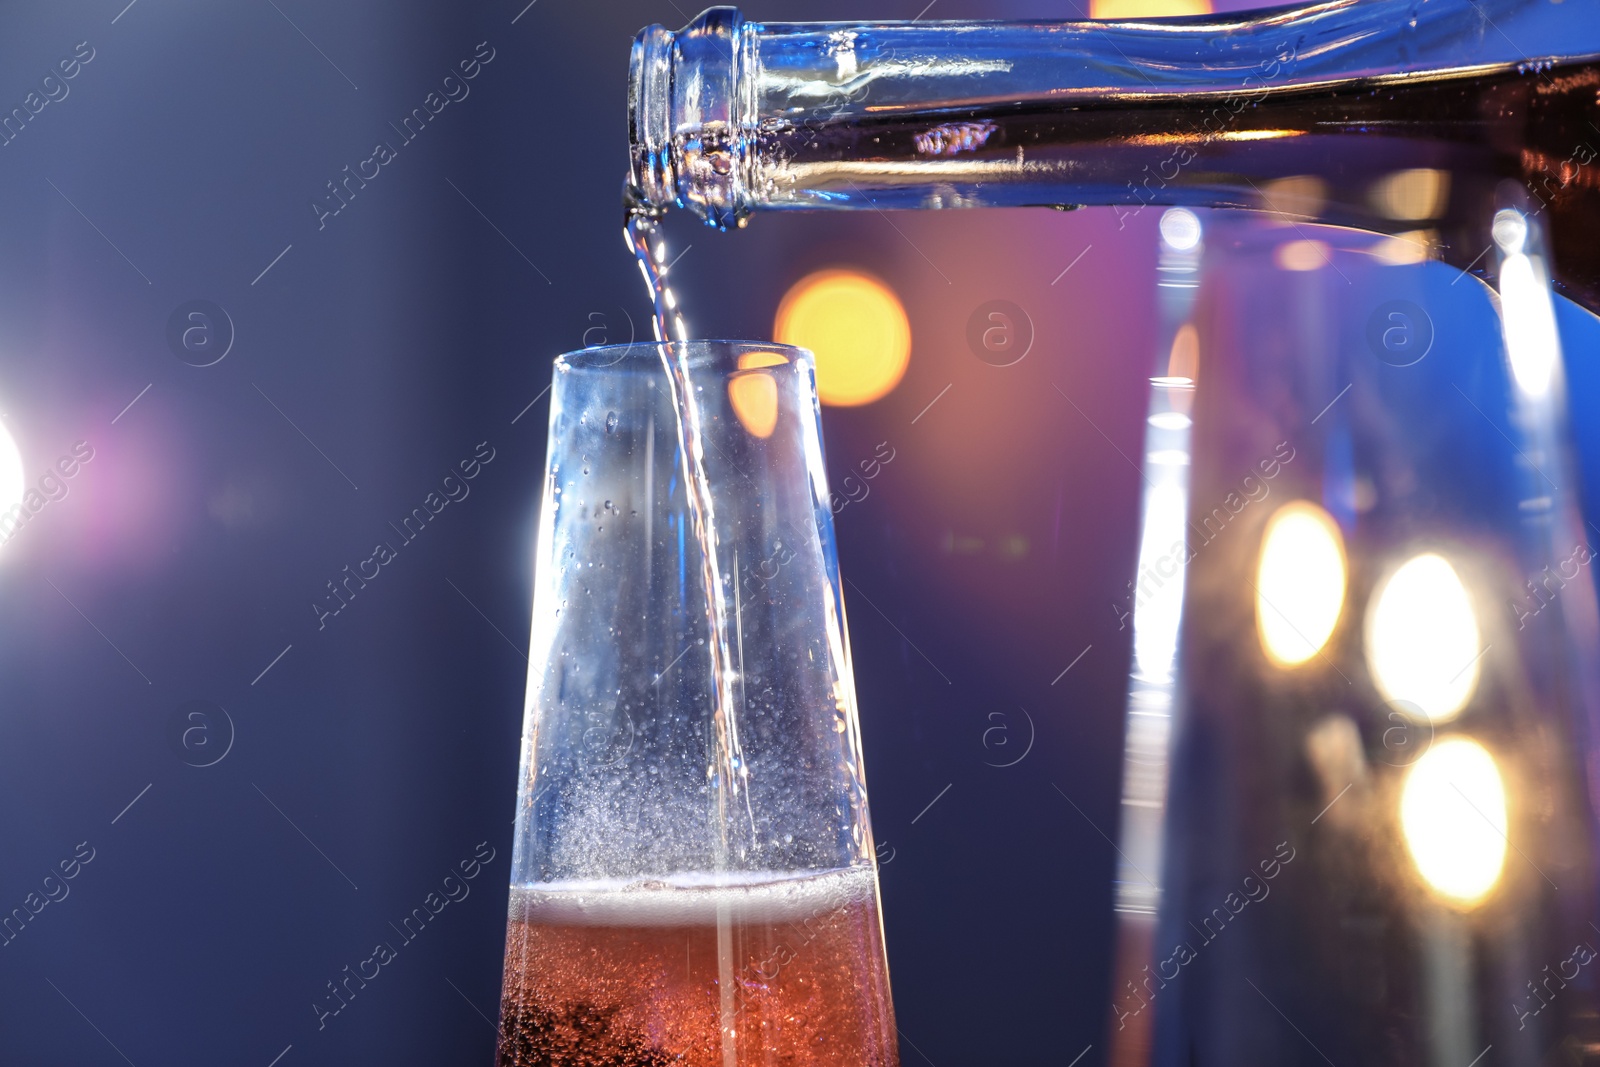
<point>1422,638</point>
<point>1180,229</point>
<point>12,479</point>
<point>1510,230</point>
<point>1299,583</point>
<point>1453,812</point>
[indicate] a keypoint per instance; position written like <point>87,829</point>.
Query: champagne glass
<point>693,876</point>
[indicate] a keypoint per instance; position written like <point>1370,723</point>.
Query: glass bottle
<point>731,117</point>
<point>1361,784</point>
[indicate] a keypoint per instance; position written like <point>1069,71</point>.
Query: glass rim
<point>709,353</point>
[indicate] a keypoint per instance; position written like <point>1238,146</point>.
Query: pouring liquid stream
<point>642,231</point>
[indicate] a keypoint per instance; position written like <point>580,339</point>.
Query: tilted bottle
<point>730,117</point>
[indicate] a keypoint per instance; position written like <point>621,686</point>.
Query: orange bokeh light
<point>754,396</point>
<point>1146,9</point>
<point>856,327</point>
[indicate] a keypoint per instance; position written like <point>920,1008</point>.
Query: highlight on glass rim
<point>1148,433</point>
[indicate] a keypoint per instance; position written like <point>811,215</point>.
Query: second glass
<point>691,883</point>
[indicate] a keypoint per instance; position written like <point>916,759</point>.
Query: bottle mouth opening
<point>688,115</point>
<point>650,170</point>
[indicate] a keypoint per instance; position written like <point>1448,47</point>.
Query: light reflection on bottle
<point>1532,342</point>
<point>1300,583</point>
<point>1156,597</point>
<point>1453,813</point>
<point>1161,560</point>
<point>1422,638</point>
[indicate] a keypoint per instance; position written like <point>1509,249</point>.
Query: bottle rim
<point>650,170</point>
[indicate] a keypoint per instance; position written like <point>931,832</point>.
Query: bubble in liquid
<point>611,422</point>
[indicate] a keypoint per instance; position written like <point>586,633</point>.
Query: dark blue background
<point>370,358</point>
